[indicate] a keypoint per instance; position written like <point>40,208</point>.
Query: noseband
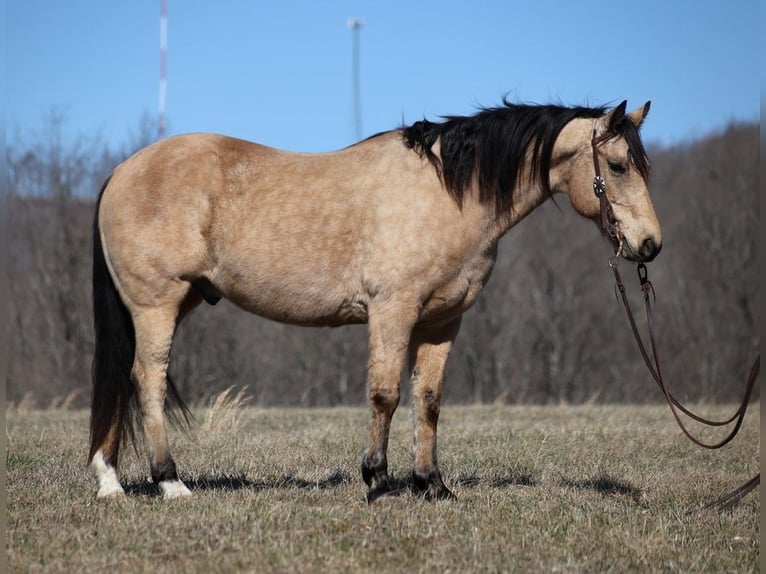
<point>611,228</point>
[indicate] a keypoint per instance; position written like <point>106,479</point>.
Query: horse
<point>398,231</point>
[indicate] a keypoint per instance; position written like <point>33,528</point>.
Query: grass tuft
<point>225,411</point>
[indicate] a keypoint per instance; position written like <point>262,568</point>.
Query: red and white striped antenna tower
<point>162,128</point>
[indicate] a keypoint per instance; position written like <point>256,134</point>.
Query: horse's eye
<point>617,167</point>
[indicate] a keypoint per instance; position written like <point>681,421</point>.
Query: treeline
<point>547,328</point>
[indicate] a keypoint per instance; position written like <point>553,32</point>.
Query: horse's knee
<point>384,399</point>
<point>428,404</point>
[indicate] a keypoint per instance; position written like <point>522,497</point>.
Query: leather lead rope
<point>653,365</point>
<point>611,228</point>
<point>732,498</point>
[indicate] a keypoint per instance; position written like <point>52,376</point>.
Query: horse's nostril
<point>649,249</point>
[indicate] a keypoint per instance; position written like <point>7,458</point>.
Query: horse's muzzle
<point>649,250</point>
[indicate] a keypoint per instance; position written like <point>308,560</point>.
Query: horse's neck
<point>526,199</point>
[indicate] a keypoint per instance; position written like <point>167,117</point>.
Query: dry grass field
<point>540,489</point>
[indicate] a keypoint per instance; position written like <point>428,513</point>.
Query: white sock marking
<point>108,485</point>
<point>173,489</point>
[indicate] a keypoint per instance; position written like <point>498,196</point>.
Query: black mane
<point>492,144</point>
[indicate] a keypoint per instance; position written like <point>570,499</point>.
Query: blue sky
<point>280,72</point>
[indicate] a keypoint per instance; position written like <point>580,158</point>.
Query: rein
<point>610,226</point>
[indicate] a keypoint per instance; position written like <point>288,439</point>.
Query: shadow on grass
<point>511,478</point>
<point>606,485</point>
<point>233,483</point>
<point>602,483</point>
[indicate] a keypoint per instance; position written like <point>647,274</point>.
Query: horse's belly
<point>311,305</point>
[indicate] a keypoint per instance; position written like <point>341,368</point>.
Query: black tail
<point>113,391</point>
<point>113,358</point>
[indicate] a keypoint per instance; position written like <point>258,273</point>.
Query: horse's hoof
<point>110,493</point>
<point>382,492</point>
<point>377,497</point>
<point>174,489</point>
<point>382,497</point>
<point>442,493</point>
<point>433,493</point>
<point>431,487</point>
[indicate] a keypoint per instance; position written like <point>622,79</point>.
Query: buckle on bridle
<point>599,186</point>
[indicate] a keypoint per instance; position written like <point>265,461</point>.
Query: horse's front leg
<point>429,350</point>
<point>389,333</point>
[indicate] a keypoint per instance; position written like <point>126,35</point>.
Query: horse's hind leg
<point>154,334</point>
<point>429,350</point>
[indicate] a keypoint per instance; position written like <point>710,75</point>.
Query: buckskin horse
<point>398,231</point>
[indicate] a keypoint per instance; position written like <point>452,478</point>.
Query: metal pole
<point>355,24</point>
<point>162,127</point>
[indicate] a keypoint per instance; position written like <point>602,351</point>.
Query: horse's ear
<point>638,115</point>
<point>614,118</point>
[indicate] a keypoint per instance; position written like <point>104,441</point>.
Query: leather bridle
<point>610,226</point>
